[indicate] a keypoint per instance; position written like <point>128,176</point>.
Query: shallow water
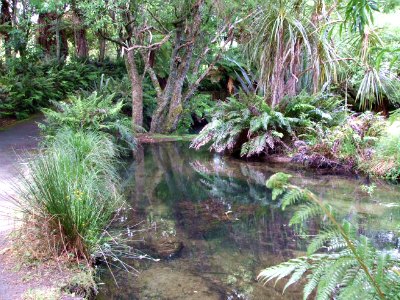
<point>211,221</point>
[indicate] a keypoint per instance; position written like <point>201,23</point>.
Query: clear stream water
<point>212,222</point>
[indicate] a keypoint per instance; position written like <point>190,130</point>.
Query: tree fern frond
<point>304,213</point>
<point>284,269</point>
<point>321,239</point>
<point>318,271</point>
<point>334,276</point>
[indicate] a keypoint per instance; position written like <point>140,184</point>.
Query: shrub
<point>27,86</point>
<point>72,190</point>
<point>198,109</point>
<point>121,89</point>
<point>313,111</point>
<point>347,145</point>
<point>248,123</point>
<point>94,113</point>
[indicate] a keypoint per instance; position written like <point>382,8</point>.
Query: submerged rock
<point>165,283</point>
<point>211,214</point>
<point>164,246</point>
<point>161,240</point>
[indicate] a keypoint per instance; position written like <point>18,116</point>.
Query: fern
<point>351,266</point>
<point>94,112</point>
<point>247,116</point>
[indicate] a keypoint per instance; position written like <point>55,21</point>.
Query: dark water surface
<point>211,221</point>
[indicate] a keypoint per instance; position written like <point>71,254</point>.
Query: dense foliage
<point>317,81</point>
<point>28,85</point>
<point>249,125</point>
<point>93,113</point>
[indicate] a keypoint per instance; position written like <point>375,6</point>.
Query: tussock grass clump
<point>386,159</point>
<point>71,191</point>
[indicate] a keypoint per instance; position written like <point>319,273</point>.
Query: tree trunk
<point>137,89</point>
<point>291,84</point>
<point>6,19</point>
<point>46,36</point>
<point>81,44</point>
<point>176,106</point>
<point>166,117</point>
<point>278,75</point>
<point>102,48</point>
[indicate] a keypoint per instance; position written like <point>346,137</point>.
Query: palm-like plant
<point>289,40</point>
<point>349,267</point>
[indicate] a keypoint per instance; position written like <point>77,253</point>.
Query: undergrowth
<point>97,113</point>
<point>248,125</point>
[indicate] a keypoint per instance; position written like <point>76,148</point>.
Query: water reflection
<point>213,224</point>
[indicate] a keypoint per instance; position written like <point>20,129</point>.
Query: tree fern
<point>351,267</point>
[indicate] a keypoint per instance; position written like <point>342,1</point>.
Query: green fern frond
<point>284,269</point>
<point>292,197</point>
<point>304,213</point>
<point>351,262</point>
<point>321,239</point>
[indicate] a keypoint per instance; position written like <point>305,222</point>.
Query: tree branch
<point>192,89</point>
<point>158,21</point>
<point>149,47</point>
<point>111,39</point>
<point>153,76</point>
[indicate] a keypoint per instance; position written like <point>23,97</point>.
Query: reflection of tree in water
<point>255,222</point>
<point>199,187</point>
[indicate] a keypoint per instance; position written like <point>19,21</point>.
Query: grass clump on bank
<point>70,193</point>
<point>385,161</point>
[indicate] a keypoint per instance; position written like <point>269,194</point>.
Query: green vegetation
<point>71,191</point>
<point>94,113</point>
<point>28,85</point>
<point>251,126</point>
<point>340,263</point>
<point>314,81</point>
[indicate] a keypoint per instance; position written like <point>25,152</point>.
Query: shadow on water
<point>211,221</point>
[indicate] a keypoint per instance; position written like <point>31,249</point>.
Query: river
<point>212,224</point>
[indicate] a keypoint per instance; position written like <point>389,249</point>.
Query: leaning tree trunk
<point>176,106</point>
<point>163,100</point>
<point>169,110</point>
<point>137,89</point>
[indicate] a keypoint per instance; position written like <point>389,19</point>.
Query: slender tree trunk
<point>278,75</point>
<point>102,48</point>
<point>137,89</point>
<point>58,40</point>
<point>291,84</point>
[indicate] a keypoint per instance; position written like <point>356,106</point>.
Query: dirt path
<point>18,279</point>
<point>14,142</point>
